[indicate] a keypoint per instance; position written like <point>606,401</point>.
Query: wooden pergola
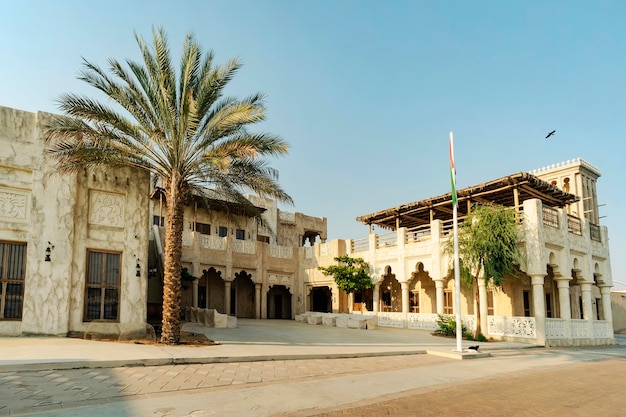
<point>509,191</point>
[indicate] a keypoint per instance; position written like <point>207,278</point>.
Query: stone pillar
<point>194,293</point>
<point>585,289</point>
<point>539,306</point>
<point>350,302</point>
<point>376,296</point>
<point>440,295</point>
<point>605,290</point>
<point>227,285</point>
<point>405,302</point>
<point>484,307</point>
<point>564,297</point>
<point>264,312</point>
<point>257,301</point>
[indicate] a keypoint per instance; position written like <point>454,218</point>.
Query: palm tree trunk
<point>170,332</point>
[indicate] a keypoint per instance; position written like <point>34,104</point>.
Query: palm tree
<point>177,126</point>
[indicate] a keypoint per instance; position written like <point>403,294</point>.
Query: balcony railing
<point>550,217</point>
<point>360,245</point>
<point>387,239</point>
<point>574,225</point>
<point>213,242</point>
<point>284,252</point>
<point>244,246</point>
<point>594,232</point>
<point>418,233</point>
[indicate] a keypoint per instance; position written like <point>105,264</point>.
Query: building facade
<point>72,247</point>
<point>85,250</point>
<point>562,296</point>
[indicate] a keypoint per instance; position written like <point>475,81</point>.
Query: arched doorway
<point>321,299</point>
<point>390,292</point>
<point>242,296</point>
<point>278,302</point>
<point>211,291</point>
<point>422,291</point>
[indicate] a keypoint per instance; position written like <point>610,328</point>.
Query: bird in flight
<point>550,134</point>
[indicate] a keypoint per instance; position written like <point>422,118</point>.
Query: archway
<point>242,296</point>
<point>422,291</point>
<point>321,299</point>
<point>390,292</point>
<point>211,291</point>
<point>278,302</point>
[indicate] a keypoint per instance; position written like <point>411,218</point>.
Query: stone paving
<point>589,389</point>
<point>35,391</point>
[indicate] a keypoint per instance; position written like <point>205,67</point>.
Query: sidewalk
<point>252,340</point>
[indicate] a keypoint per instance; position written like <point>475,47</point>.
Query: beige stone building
<point>72,247</point>
<point>561,298</point>
<point>242,267</point>
<point>86,249</point>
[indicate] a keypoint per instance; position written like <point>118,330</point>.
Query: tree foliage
<point>488,245</point>
<point>351,275</point>
<point>180,127</point>
<point>487,249</point>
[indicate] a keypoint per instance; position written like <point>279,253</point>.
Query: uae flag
<point>452,171</point>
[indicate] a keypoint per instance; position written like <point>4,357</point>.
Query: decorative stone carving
<point>13,204</point>
<point>244,246</point>
<point>212,242</point>
<point>106,209</point>
<point>284,252</point>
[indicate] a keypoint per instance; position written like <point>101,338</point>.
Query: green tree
<point>487,249</point>
<point>179,127</point>
<point>353,274</point>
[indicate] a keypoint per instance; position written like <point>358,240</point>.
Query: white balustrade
<point>581,329</point>
<point>602,329</point>
<point>213,242</point>
<point>557,329</point>
<point>523,327</point>
<point>387,319</point>
<point>421,321</point>
<point>244,246</point>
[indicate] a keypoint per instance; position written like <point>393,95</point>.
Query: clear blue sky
<point>366,92</point>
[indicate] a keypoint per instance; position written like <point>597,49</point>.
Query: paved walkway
<point>254,372</point>
<point>252,340</point>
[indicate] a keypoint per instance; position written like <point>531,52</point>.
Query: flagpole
<point>457,278</point>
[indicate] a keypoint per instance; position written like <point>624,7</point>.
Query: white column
<point>376,295</point>
<point>405,302</point>
<point>405,297</point>
<point>440,296</point>
<point>227,285</point>
<point>484,308</point>
<point>605,290</point>
<point>564,297</point>
<point>539,306</point>
<point>257,301</point>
